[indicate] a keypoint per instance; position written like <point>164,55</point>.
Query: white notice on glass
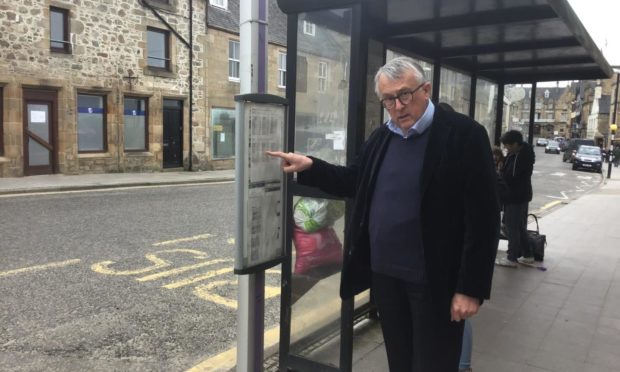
<point>38,116</point>
<point>222,137</point>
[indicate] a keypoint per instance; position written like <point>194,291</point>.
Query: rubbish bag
<point>316,249</point>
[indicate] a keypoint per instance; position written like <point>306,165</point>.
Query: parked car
<point>552,147</point>
<point>572,145</point>
<point>541,142</point>
<point>588,157</point>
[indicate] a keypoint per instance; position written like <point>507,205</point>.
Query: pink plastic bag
<point>316,249</point>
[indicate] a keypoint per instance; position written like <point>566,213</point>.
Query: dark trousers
<point>516,226</point>
<point>417,338</point>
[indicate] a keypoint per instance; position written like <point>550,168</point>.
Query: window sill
<point>61,51</point>
<point>138,153</point>
<point>94,155</point>
<point>160,73</point>
<point>4,160</point>
<point>234,80</point>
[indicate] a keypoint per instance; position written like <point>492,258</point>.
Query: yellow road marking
<point>102,267</point>
<point>39,267</point>
<point>300,326</point>
<point>158,263</point>
<point>180,270</point>
<point>204,292</point>
<point>181,240</point>
<point>549,205</point>
<point>198,278</point>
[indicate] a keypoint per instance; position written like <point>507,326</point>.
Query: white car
<point>542,142</point>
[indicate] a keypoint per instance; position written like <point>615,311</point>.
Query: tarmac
<point>565,318</point>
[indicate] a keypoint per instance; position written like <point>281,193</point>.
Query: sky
<point>600,18</point>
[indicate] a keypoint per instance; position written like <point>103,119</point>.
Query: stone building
<point>222,73</point>
<point>551,112</point>
<point>99,87</point>
<point>103,85</point>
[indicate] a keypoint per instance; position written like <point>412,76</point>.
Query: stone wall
<point>108,45</point>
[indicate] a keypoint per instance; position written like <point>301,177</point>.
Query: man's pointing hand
<point>292,162</point>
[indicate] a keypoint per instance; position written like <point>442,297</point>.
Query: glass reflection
<point>322,84</point>
<point>486,101</point>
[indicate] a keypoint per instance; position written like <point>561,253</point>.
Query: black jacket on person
<point>459,210</point>
<point>517,173</point>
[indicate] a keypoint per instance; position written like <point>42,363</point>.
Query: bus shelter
<point>469,49</point>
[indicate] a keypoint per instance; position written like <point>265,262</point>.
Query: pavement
<point>565,318</point>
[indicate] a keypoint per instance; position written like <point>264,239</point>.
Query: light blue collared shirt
<point>423,123</point>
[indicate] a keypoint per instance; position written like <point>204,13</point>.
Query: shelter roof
<point>513,41</point>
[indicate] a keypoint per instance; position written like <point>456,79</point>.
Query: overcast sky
<point>600,18</point>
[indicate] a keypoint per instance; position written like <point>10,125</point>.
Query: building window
<point>158,49</point>
<point>322,76</point>
<point>223,124</point>
<point>91,126</point>
<point>281,70</point>
<point>309,28</point>
<point>233,60</point>
<point>59,30</point>
<point>136,129</point>
<point>219,3</point>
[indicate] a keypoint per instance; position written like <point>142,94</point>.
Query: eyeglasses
<point>403,97</point>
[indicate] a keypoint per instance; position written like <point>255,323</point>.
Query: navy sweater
<point>394,222</point>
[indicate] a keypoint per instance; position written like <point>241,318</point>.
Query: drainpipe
<point>191,83</point>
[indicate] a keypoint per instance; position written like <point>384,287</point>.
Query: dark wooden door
<point>40,154</point>
<point>173,133</point>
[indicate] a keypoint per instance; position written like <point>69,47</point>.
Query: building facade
<point>103,86</point>
<point>98,88</point>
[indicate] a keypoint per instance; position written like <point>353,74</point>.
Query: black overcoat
<point>459,210</point>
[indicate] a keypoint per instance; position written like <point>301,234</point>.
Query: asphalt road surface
<point>133,279</point>
<point>555,183</point>
<point>141,278</point>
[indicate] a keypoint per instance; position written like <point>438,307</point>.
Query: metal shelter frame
<point>501,41</point>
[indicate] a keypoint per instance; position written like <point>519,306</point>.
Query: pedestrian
<point>616,154</point>
<point>517,174</point>
<point>423,227</point>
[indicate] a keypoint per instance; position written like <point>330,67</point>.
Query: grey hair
<point>394,69</point>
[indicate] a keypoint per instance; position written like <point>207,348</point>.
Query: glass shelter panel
<point>318,235</point>
<point>486,100</point>
<point>454,89</point>
<point>322,86</point>
<point>321,118</point>
<point>516,113</point>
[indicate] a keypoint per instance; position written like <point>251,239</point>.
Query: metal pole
<point>530,132</point>
<point>251,289</point>
<point>611,135</point>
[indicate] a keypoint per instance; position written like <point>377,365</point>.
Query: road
<point>77,284</point>
<point>141,278</point>
<point>555,183</point>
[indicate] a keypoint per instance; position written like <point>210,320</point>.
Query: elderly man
<point>424,225</point>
